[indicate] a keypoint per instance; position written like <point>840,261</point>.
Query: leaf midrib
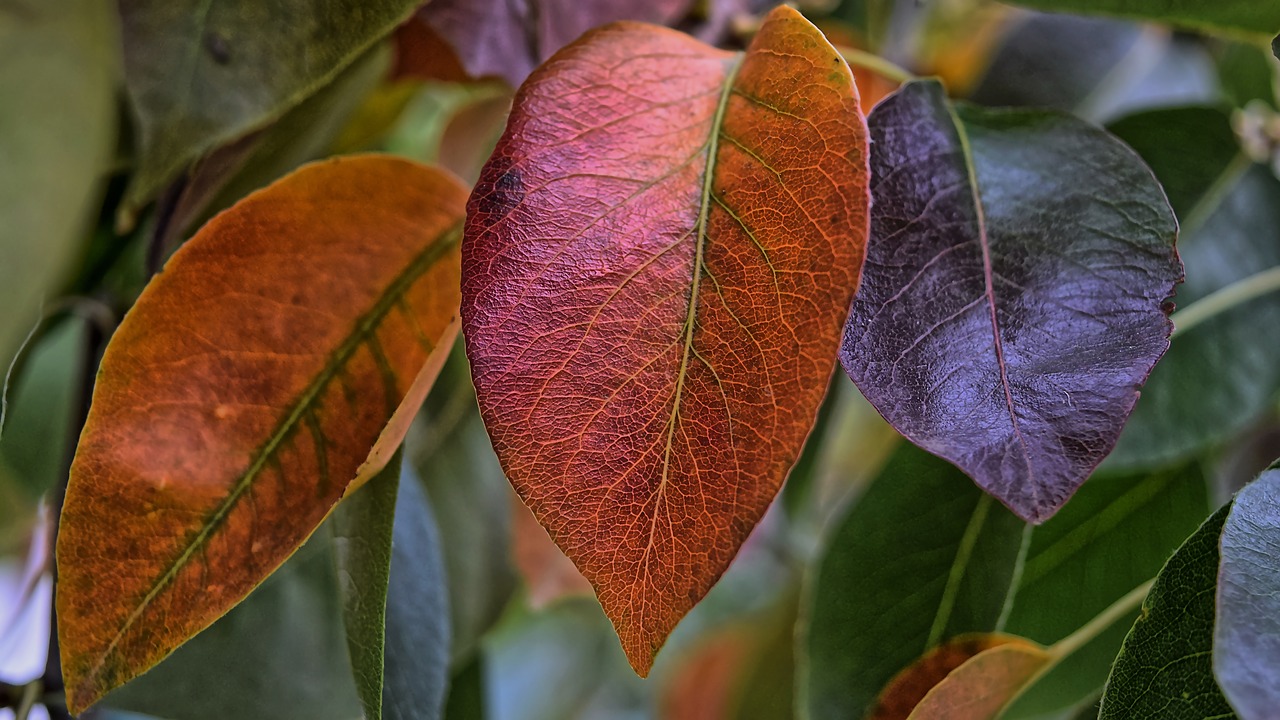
<point>365,327</point>
<point>988,276</point>
<point>700,242</point>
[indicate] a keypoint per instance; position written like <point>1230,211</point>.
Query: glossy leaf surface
<point>1013,298</point>
<point>1246,642</point>
<point>57,129</point>
<point>242,395</point>
<point>1222,375</point>
<point>657,261</point>
<point>1165,668</point>
<point>202,73</point>
<point>954,552</point>
<point>1232,16</point>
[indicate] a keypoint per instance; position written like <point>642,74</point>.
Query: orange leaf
<point>240,398</point>
<point>657,261</point>
<point>971,677</point>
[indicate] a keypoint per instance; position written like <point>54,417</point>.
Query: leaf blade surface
<point>637,268</point>
<point>1013,299</point>
<point>242,397</point>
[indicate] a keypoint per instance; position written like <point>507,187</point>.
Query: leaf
<point>279,654</point>
<point>302,134</point>
<point>418,650</point>
<point>58,72</point>
<point>466,693</point>
<point>868,619</point>
<point>507,38</point>
<point>1061,61</point>
<point>1246,636</point>
<point>905,691</point>
<point>258,59</point>
<point>580,673</point>
<point>1012,302</point>
<point>954,553</point>
<point>1115,534</point>
<point>362,529</point>
<point>984,684</point>
<point>1275,46</point>
<point>1220,376</point>
<point>1245,74</point>
<point>696,218</point>
<point>454,461</point>
<point>1247,17</point>
<point>34,443</point>
<point>241,396</point>
<point>1164,669</point>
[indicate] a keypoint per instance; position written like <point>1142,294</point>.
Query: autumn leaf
<point>657,261</point>
<point>966,668</point>
<point>240,398</point>
<point>1014,298</point>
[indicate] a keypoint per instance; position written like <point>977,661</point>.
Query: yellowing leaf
<point>240,398</point>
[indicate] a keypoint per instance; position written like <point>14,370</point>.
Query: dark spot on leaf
<point>1168,306</point>
<point>218,48</point>
<point>497,197</point>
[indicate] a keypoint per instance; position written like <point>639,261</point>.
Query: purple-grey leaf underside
<point>1014,295</point>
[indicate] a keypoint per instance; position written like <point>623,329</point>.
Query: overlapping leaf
<point>1014,295</point>
<point>658,259</point>
<point>241,397</point>
<point>507,38</point>
<point>1222,375</point>
<point>202,73</point>
<point>58,72</point>
<point>1246,635</point>
<point>1165,668</point>
<point>1247,17</point>
<point>984,684</point>
<point>961,567</point>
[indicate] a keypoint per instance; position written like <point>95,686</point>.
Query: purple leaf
<point>1246,637</point>
<point>508,38</point>
<point>1014,294</point>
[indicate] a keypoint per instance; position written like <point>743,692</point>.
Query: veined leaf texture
<point>658,259</point>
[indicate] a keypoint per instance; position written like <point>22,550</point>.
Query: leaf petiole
<point>1220,301</point>
<point>876,64</point>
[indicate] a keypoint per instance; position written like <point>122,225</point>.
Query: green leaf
<point>1246,643</point>
<point>1218,376</point>
<point>279,654</point>
<point>1114,535</point>
<point>869,618</point>
<point>923,556</point>
<point>418,643</point>
<point>35,437</point>
<point>466,692</point>
<point>1246,75</point>
<point>1165,668</point>
<point>201,73</point>
<point>1236,17</point>
<point>58,71</point>
<point>562,663</point>
<point>302,134</point>
<point>362,528</point>
<point>450,451</point>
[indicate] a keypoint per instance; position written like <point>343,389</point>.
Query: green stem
<point>30,693</point>
<point>1101,622</point>
<point>1237,293</point>
<point>876,64</point>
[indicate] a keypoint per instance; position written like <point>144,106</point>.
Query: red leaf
<point>657,262</point>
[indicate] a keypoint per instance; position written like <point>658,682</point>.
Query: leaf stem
<point>876,64</point>
<point>1237,293</point>
<point>1102,621</point>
